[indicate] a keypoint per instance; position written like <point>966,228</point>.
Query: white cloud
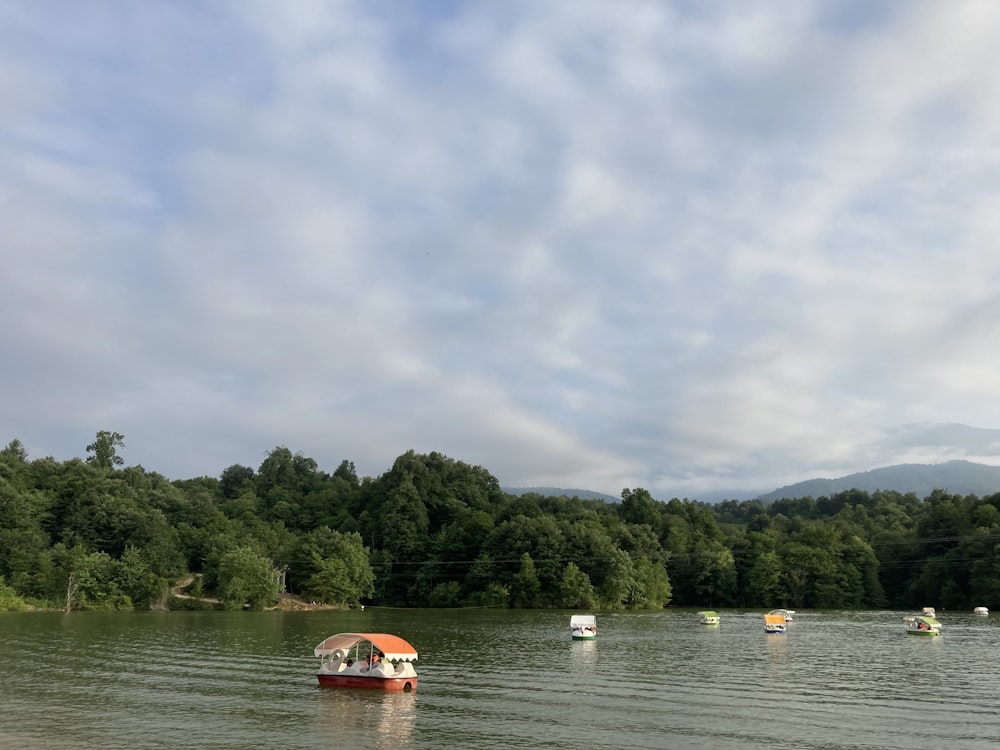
<point>579,244</point>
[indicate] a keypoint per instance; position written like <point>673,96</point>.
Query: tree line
<point>436,532</point>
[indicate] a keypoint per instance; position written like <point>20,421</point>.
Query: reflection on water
<point>777,647</point>
<point>368,718</point>
<point>500,679</point>
<point>583,654</point>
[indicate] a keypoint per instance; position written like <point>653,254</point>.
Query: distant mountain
<point>956,477</point>
<point>561,492</point>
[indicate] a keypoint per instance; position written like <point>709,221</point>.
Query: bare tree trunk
<point>70,591</point>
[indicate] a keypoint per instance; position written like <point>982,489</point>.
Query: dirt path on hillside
<point>286,602</point>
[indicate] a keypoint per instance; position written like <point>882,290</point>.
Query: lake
<point>500,679</point>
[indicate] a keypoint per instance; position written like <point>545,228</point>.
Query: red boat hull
<point>371,683</point>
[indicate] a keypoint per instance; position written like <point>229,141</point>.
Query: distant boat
<point>583,627</point>
<point>786,613</point>
<point>710,617</point>
<point>922,625</point>
<point>774,624</point>
<point>980,611</point>
<point>928,612</point>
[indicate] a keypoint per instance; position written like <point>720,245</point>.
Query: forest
<point>433,531</point>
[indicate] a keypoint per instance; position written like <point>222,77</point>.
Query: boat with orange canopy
<point>774,623</point>
<point>366,660</point>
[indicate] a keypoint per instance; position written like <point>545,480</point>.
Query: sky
<point>684,246</point>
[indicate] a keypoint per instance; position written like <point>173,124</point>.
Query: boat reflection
<point>777,648</point>
<point>583,654</point>
<point>388,717</point>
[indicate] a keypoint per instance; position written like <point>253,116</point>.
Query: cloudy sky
<point>686,246</point>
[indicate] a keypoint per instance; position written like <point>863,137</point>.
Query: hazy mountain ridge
<point>918,457</point>
<point>957,477</point>
<point>561,492</point>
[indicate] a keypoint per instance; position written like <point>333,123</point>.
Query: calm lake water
<point>500,679</point>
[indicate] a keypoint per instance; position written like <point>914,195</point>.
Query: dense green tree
<point>713,571</point>
<point>235,480</point>
<point>246,579</point>
<point>10,601</point>
<point>403,527</point>
<point>764,582</point>
<point>575,589</point>
<point>588,544</point>
<point>98,581</point>
<point>481,575</point>
<point>525,588</point>
<point>866,590</point>
<point>332,567</point>
<point>347,472</point>
<point>138,581</point>
<point>540,537</point>
<point>654,590</point>
<point>496,595</point>
<point>104,450</point>
<point>432,531</point>
<point>332,582</point>
<point>621,588</point>
<point>102,582</point>
<point>15,453</point>
<point>22,538</point>
<point>463,537</point>
<point>639,507</point>
<point>387,576</point>
<point>445,594</point>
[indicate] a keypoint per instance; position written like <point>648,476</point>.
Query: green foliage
<point>575,589</point>
<point>246,579</point>
<point>236,480</point>
<point>338,571</point>
<point>447,594</point>
<point>620,589</point>
<point>639,507</point>
<point>653,589</point>
<point>10,601</point>
<point>525,589</point>
<point>432,531</point>
<point>105,450</point>
<point>495,595</point>
<point>764,582</point>
<point>14,452</point>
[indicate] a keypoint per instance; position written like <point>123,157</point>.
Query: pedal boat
<point>378,661</point>
<point>922,625</point>
<point>774,624</point>
<point>583,627</point>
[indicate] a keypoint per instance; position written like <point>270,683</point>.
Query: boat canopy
<point>926,620</point>
<point>774,619</point>
<point>709,613</point>
<point>392,646</point>
<point>582,621</point>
